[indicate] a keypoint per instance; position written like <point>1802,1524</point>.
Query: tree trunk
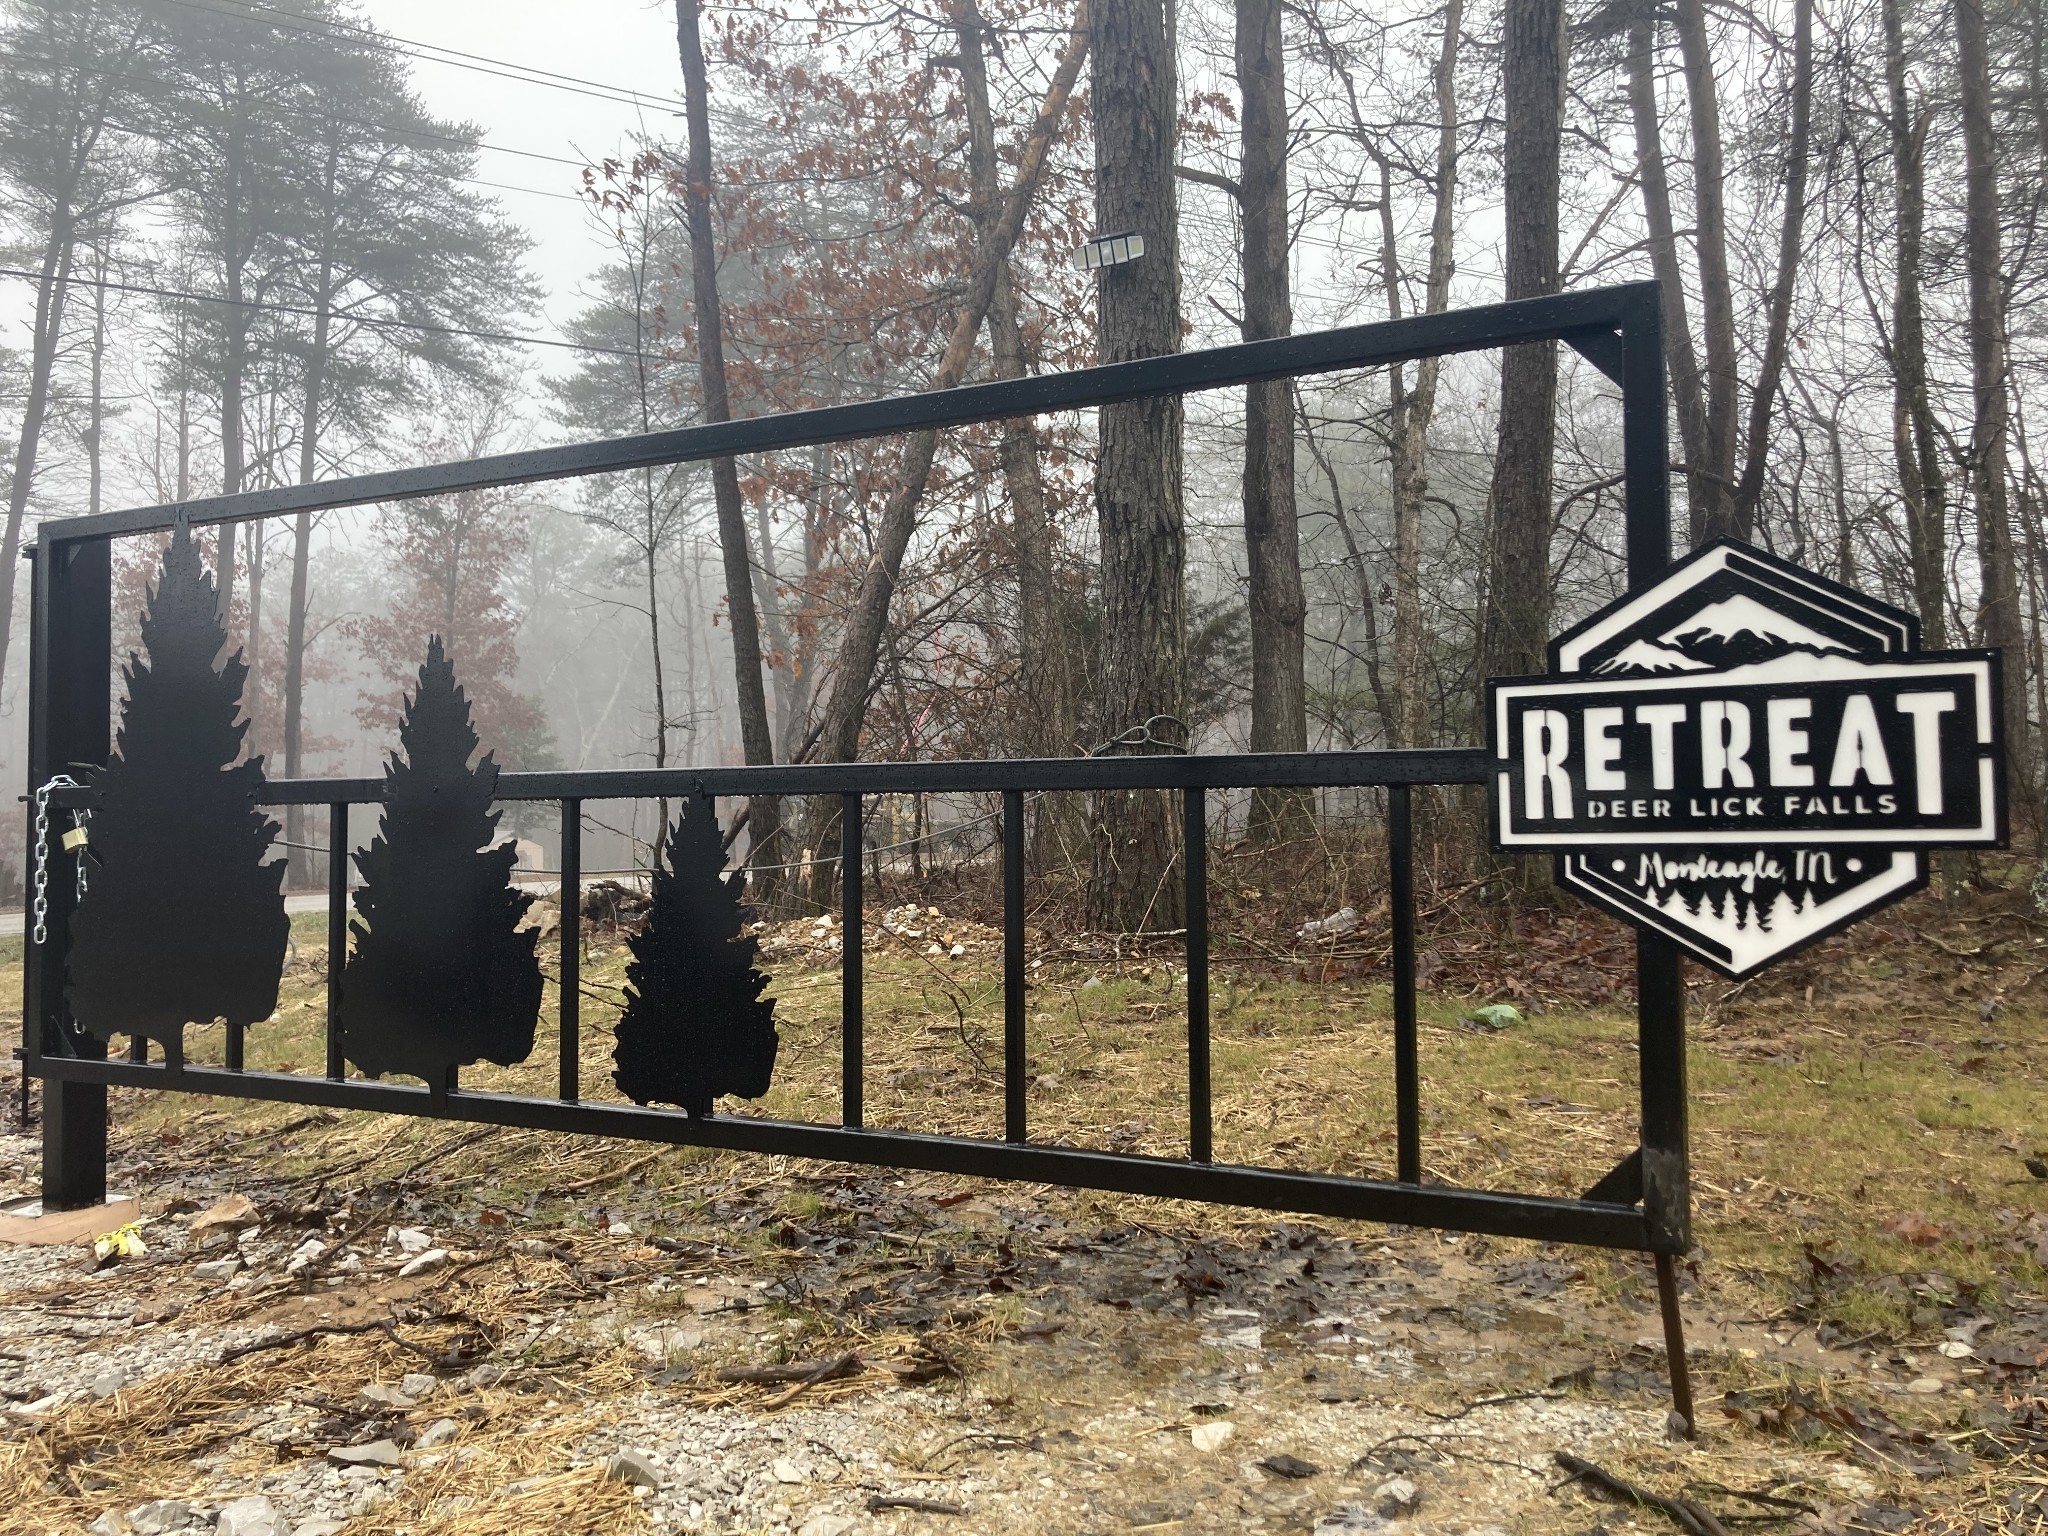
<point>1517,620</point>
<point>1138,467</point>
<point>860,643</point>
<point>1713,512</point>
<point>1045,658</point>
<point>1791,233</point>
<point>95,430</point>
<point>1412,407</point>
<point>1650,172</point>
<point>1998,612</point>
<point>1279,611</point>
<point>293,725</point>
<point>764,812</point>
<point>51,292</point>
<point>1915,446</point>
<point>234,361</point>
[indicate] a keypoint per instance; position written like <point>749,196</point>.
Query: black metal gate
<point>1643,1204</point>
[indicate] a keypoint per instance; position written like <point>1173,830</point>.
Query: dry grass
<point>1872,1106</point>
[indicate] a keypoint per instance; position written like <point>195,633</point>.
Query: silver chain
<point>41,929</point>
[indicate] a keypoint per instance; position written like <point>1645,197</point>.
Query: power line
<point>353,319</point>
<point>433,53</point>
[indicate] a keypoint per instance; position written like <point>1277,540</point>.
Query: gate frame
<point>1644,1204</point>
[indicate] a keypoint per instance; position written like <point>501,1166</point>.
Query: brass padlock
<point>73,839</point>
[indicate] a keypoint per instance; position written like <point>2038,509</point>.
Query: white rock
<point>1234,1329</point>
<point>1397,1498</point>
<point>303,1255</point>
<point>320,1527</point>
<point>377,1398</point>
<point>160,1515</point>
<point>416,1385</point>
<point>251,1515</point>
<point>108,1524</point>
<point>378,1453</point>
<point>440,1432</point>
<point>783,1470</point>
<point>619,1229</point>
<point>1953,1349</point>
<point>217,1270</point>
<point>108,1382</point>
<point>408,1239</point>
<point>433,1258</point>
<point>825,1525</point>
<point>1212,1435</point>
<point>1349,1517</point>
<point>635,1468</point>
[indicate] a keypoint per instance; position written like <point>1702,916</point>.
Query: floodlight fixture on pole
<point>1109,251</point>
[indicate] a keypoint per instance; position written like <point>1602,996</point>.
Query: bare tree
<point>1998,611</point>
<point>1138,470</point>
<point>764,813</point>
<point>1517,622</point>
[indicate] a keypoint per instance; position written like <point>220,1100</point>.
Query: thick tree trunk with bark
<point>1517,620</point>
<point>764,813</point>
<point>1682,360</point>
<point>1131,882</point>
<point>1998,612</point>
<point>1791,234</point>
<point>1915,446</point>
<point>1713,509</point>
<point>1279,610</point>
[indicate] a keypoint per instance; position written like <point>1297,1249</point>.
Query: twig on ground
<point>1495,1402</point>
<point>828,1370</point>
<point>606,1177</point>
<point>1688,1514</point>
<point>306,1335</point>
<point>877,1503</point>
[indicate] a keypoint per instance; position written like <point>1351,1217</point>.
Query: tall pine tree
<point>695,1024</point>
<point>442,975</point>
<point>183,921</point>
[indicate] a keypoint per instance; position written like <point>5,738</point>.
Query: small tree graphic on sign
<point>183,921</point>
<point>695,1024</point>
<point>442,975</point>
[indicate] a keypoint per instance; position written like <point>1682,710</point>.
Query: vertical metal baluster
<point>1015,1059</point>
<point>1407,1063</point>
<point>571,969</point>
<point>138,1048</point>
<point>1195,854</point>
<point>337,930</point>
<point>850,996</point>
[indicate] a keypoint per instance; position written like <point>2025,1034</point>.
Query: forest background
<point>241,247</point>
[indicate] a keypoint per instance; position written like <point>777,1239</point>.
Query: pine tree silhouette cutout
<point>183,922</point>
<point>695,1024</point>
<point>441,976</point>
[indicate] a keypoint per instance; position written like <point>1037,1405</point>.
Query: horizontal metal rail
<point>1595,315</point>
<point>1461,1210</point>
<point>1221,770</point>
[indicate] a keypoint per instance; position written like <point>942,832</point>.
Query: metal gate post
<point>70,662</point>
<point>1660,969</point>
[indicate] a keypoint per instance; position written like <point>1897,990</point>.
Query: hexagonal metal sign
<point>1746,757</point>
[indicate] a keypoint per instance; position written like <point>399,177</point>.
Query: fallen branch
<point>604,1178</point>
<point>306,1335</point>
<point>800,1370</point>
<point>877,1503</point>
<point>1495,1402</point>
<point>829,1370</point>
<point>1688,1514</point>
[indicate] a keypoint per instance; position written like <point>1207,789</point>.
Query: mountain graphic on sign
<point>1649,656</point>
<point>1741,629</point>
